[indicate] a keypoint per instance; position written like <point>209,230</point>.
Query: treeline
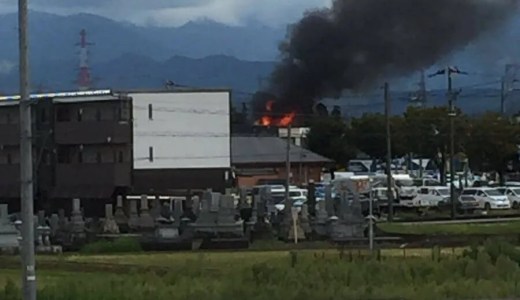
<point>489,141</point>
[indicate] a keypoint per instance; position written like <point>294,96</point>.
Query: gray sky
<point>178,12</point>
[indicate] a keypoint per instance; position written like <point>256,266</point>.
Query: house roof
<point>269,150</point>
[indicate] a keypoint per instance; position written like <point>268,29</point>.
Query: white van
<point>487,198</point>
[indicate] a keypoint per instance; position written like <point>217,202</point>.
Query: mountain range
<point>199,54</point>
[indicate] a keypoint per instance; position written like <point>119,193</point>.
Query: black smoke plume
<point>356,44</point>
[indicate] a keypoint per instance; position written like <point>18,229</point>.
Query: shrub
<point>11,291</point>
<point>119,245</point>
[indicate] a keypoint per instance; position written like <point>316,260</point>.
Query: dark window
<point>98,114</point>
<point>120,157</point>
<point>64,156</point>
<point>8,118</point>
<point>80,114</point>
<point>80,156</point>
<point>9,159</point>
<point>150,154</point>
<point>150,112</point>
<point>63,114</point>
<point>98,157</point>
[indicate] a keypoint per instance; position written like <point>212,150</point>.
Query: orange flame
<point>287,119</point>
<point>267,120</point>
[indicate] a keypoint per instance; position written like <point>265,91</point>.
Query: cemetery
<point>209,221</point>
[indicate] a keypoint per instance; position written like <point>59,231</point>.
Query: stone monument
<point>8,232</point>
<point>217,217</point>
<point>77,222</point>
<point>133,220</point>
<point>349,222</point>
<point>109,224</point>
<point>146,222</point>
<point>119,215</point>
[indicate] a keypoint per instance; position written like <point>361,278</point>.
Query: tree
<point>428,133</point>
<point>369,135</point>
<point>493,143</point>
<point>329,137</point>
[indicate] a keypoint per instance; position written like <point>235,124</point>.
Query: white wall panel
<point>187,130</point>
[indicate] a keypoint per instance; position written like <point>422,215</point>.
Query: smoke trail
<point>357,43</point>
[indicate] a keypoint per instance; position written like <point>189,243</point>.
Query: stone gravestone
<point>226,217</point>
<point>226,212</point>
<point>8,232</point>
<point>155,211</point>
<point>119,215</point>
<point>133,220</point>
<point>304,219</point>
<point>146,221</point>
<point>109,224</point>
<point>54,224</point>
<point>207,219</point>
<point>177,211</point>
<point>329,201</point>
<point>321,220</point>
<point>242,199</point>
<point>196,205</point>
<point>77,221</point>
<point>350,222</point>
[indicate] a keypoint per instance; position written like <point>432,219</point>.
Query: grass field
<point>505,228</point>
<point>287,275</point>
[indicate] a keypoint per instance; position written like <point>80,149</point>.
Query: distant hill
<point>208,54</point>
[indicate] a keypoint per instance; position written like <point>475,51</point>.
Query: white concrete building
<point>181,139</point>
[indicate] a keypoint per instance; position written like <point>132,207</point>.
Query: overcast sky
<point>178,12</point>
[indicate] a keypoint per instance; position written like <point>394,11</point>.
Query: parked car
<point>513,194</point>
<point>431,196</point>
<point>488,198</point>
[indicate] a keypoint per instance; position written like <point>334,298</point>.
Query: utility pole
<point>389,189</point>
<point>452,114</point>
<point>26,163</point>
<point>288,164</point>
<point>503,96</point>
<point>371,216</point>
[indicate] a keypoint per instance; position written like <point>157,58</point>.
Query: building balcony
<point>95,132</point>
<point>104,174</point>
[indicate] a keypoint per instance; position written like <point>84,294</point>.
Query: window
<point>98,157</point>
<point>8,118</point>
<point>120,157</point>
<point>150,112</point>
<point>80,156</point>
<point>9,159</point>
<point>63,114</point>
<point>150,154</point>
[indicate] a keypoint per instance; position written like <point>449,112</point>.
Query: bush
<point>119,245</point>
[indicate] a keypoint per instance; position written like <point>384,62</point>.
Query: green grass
<point>505,228</point>
<point>276,275</point>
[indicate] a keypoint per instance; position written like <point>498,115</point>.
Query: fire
<point>287,119</point>
<point>268,120</point>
